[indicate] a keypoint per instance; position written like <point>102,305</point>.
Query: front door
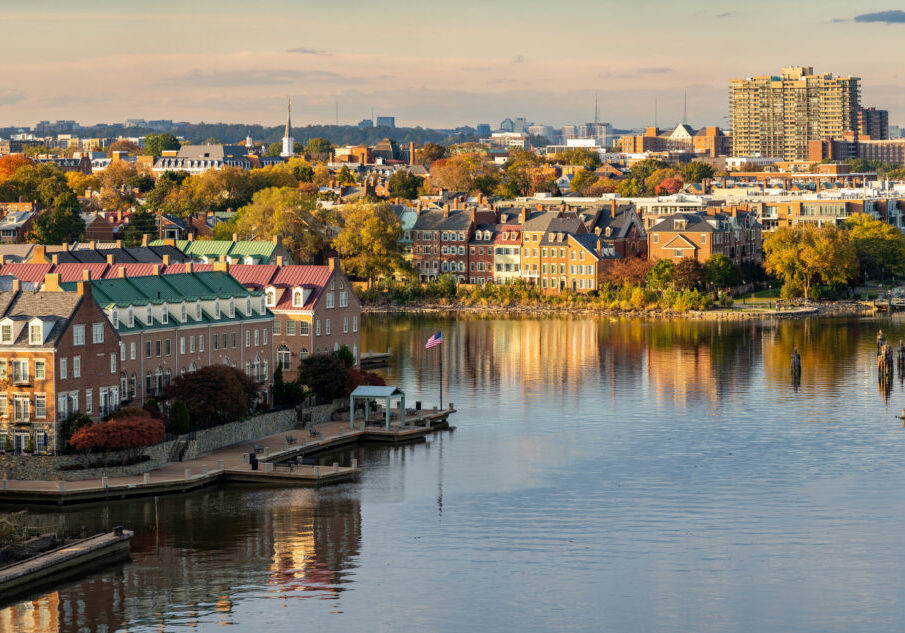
<point>20,441</point>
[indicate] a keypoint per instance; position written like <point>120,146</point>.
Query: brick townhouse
<point>736,235</point>
<point>441,238</point>
<point>58,354</point>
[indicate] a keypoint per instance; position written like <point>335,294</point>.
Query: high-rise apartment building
<point>777,116</point>
<point>874,123</point>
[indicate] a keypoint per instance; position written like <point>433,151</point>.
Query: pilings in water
<point>796,367</point>
<point>885,364</point>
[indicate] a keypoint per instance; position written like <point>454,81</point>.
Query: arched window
<point>183,312</point>
<point>303,353</point>
<point>158,381</point>
<point>298,299</point>
<point>192,366</point>
<point>167,377</point>
<point>115,318</point>
<point>132,386</point>
<point>283,356</point>
<point>271,295</point>
<point>123,386</point>
<point>131,317</point>
<point>247,368</point>
<point>165,314</point>
<point>264,374</point>
<point>197,310</point>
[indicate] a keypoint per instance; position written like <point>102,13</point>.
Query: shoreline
<point>828,309</point>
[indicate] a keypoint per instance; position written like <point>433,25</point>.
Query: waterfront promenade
<point>231,464</point>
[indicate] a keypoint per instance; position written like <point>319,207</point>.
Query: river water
<point>604,475</point>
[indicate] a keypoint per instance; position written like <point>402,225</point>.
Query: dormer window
<point>216,309</point>
<point>164,314</point>
<point>35,334</point>
<point>197,310</point>
<point>232,308</point>
<point>183,312</point>
<point>248,306</point>
<point>263,306</point>
<point>131,317</point>
<point>271,296</point>
<point>6,333</point>
<point>148,316</point>
<point>298,298</point>
<point>114,318</point>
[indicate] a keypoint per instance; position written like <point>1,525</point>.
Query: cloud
<point>518,59</point>
<point>309,51</point>
<point>655,70</point>
<point>887,17</point>
<point>263,77</point>
<point>721,16</point>
<point>9,96</point>
<point>611,75</point>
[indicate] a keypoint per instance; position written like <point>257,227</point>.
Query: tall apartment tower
<point>874,123</point>
<point>776,116</point>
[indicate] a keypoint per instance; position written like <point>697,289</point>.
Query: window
<point>166,346</point>
<point>40,406</point>
<point>40,373</point>
<point>655,237</point>
<point>271,296</point>
<point>283,355</point>
<point>329,300</point>
<point>224,344</point>
<point>264,334</point>
<point>215,340</point>
<point>298,299</point>
<point>76,366</point>
<point>235,339</point>
<point>147,349</point>
<point>703,238</point>
<point>247,306</point>
<point>88,399</point>
<point>304,328</point>
<point>78,334</point>
<point>247,338</point>
<point>303,353</point>
<point>112,363</point>
<point>62,369</point>
<point>122,351</point>
<point>164,314</point>
<point>232,308</point>
<point>157,346</point>
<point>345,325</point>
<point>197,310</point>
<point>148,316</point>
<point>20,371</point>
<point>20,408</point>
<point>257,338</point>
<point>183,312</point>
<point>317,327</point>
<point>290,328</point>
<point>191,345</point>
<point>327,327</point>
<point>201,343</point>
<point>35,334</point>
<point>354,323</point>
<point>277,327</point>
<point>343,299</point>
<point>247,368</point>
<point>131,317</point>
<point>97,333</point>
<point>182,345</point>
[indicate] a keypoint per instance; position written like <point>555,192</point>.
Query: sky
<point>426,62</point>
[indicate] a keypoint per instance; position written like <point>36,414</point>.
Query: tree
<point>358,377</point>
<point>304,225</point>
<point>695,171</point>
<point>127,147</point>
<point>124,434</point>
<point>156,144</point>
<point>10,163</point>
<point>141,222</point>
<point>274,149</point>
<point>428,153</point>
<point>587,158</point>
<point>404,184</point>
<point>142,181</point>
<point>80,183</point>
<point>688,274</point>
<point>804,254</point>
<point>62,223</point>
<point>629,271</point>
<point>319,148</point>
<point>214,395</point>
<point>345,355</point>
<point>660,276</point>
<point>459,171</point>
<point>582,180</point>
<point>630,188</point>
<point>324,374</point>
<point>879,246</point>
<point>42,182</point>
<point>720,272</point>
<point>345,176</point>
<point>303,173</point>
<point>369,241</point>
<point>179,418</point>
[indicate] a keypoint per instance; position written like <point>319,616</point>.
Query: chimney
<point>155,269</point>
<point>121,272</point>
<point>17,285</point>
<point>166,260</point>
<point>473,214</point>
<point>411,152</point>
<point>119,243</point>
<point>189,267</point>
<point>110,260</point>
<point>333,263</point>
<point>523,216</point>
<point>2,260</point>
<point>445,210</point>
<point>221,266</point>
<point>92,245</point>
<point>170,243</point>
<point>86,275</point>
<point>39,254</point>
<point>235,237</point>
<point>191,236</point>
<point>55,259</point>
<point>52,282</point>
<point>144,240</point>
<point>613,208</point>
<point>280,261</point>
<point>277,240</point>
<point>84,288</point>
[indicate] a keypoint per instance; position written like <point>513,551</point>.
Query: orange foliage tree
<point>10,163</point>
<point>124,434</point>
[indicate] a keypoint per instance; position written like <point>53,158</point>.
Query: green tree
<point>404,184</point>
<point>695,171</point>
<point>156,144</point>
<point>369,241</point>
<point>629,188</point>
<point>345,176</point>
<point>303,173</point>
<point>804,254</point>
<point>304,226</point>
<point>660,276</point>
<point>879,246</point>
<point>720,271</point>
<point>179,418</point>
<point>582,180</point>
<point>319,148</point>
<point>62,223</point>
<point>141,222</point>
<point>587,158</point>
<point>274,149</point>
<point>324,374</point>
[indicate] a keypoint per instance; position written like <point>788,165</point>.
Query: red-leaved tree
<point>357,377</point>
<point>129,435</point>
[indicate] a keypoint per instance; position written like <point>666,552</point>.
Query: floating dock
<point>369,360</point>
<point>69,560</point>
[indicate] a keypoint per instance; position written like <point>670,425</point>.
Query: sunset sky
<point>429,63</point>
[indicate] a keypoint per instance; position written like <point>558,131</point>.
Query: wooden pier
<point>370,360</point>
<point>232,464</point>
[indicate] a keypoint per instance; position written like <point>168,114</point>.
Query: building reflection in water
<point>214,549</point>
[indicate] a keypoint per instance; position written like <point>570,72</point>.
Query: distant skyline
<point>429,63</point>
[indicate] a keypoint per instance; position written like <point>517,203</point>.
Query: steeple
<point>288,141</point>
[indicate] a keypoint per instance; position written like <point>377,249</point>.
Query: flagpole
<point>441,376</point>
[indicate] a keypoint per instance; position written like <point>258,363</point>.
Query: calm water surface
<point>604,476</point>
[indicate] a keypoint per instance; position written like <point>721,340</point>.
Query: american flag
<point>433,341</point>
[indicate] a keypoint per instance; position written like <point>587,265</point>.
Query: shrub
<point>130,412</point>
<point>126,434</point>
<point>214,395</point>
<point>344,354</point>
<point>179,418</point>
<point>324,374</point>
<point>357,377</point>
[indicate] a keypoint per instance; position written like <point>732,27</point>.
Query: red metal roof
<point>132,270</point>
<point>255,276</point>
<point>26,272</point>
<point>75,272</point>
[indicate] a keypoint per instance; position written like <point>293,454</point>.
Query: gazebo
<point>368,393</point>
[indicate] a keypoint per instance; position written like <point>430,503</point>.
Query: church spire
<point>288,141</point>
<point>288,119</point>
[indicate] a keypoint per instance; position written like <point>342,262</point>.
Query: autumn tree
<point>10,163</point>
<point>404,184</point>
<point>720,272</point>
<point>369,241</point>
<point>428,153</point>
<point>156,144</point>
<point>688,274</point>
<point>879,246</point>
<point>804,254</point>
<point>304,226</point>
<point>319,148</point>
<point>458,172</point>
<point>629,271</point>
<point>345,176</point>
<point>43,183</point>
<point>80,183</point>
<point>214,395</point>
<point>583,180</point>
<point>120,434</point>
<point>127,147</point>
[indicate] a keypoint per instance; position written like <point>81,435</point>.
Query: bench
<point>290,439</point>
<point>258,448</point>
<point>314,432</point>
